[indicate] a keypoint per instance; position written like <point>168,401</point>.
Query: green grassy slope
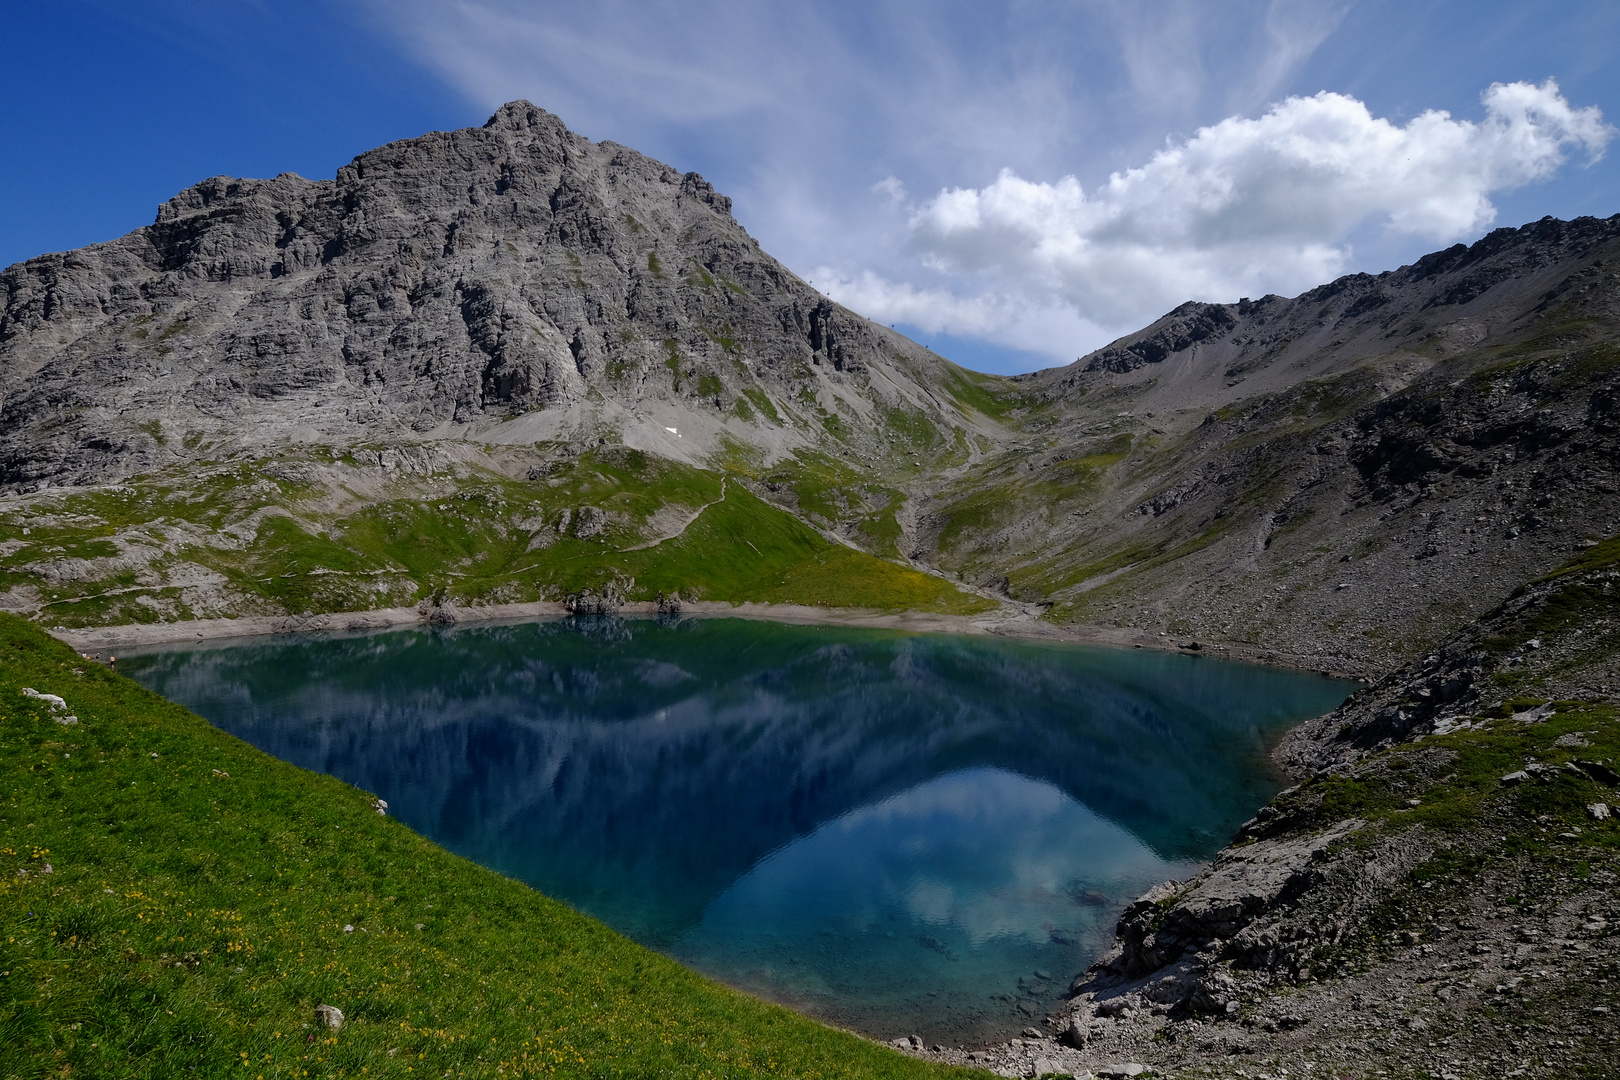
<point>202,898</point>
<point>317,533</point>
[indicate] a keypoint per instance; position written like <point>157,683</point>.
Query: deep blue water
<point>898,833</point>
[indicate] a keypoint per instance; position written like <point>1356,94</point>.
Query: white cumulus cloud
<point>1244,207</point>
<point>1041,325</point>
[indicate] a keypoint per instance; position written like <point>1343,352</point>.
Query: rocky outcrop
<point>1186,326</point>
<point>1264,905</point>
<point>1557,637</point>
<point>1259,905</point>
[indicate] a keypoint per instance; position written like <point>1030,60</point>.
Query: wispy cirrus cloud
<point>792,105</point>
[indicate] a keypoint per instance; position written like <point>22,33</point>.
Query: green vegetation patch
<point>978,512</point>
<point>1458,783</point>
<point>881,532</point>
<point>1505,801</point>
<point>994,396</point>
<point>913,427</point>
<point>744,549</point>
<point>1133,558</point>
<point>1576,607</point>
<point>763,403</point>
<point>672,360</point>
<point>613,517</point>
<point>176,902</point>
<point>1601,556</point>
<point>824,486</point>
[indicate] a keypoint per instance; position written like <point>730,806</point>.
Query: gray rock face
<point>435,285</point>
<point>1241,885</point>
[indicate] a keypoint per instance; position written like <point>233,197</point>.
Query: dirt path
<point>687,524</point>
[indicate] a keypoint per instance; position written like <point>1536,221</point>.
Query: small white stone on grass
<point>50,699</point>
<point>329,1016</point>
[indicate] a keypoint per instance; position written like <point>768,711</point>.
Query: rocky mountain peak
<point>524,116</point>
<point>459,278</point>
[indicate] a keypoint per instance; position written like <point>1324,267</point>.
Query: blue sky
<point>1014,183</point>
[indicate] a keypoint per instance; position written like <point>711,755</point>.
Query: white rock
<point>329,1016</point>
<point>50,699</point>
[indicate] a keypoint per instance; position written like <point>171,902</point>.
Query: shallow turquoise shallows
<point>901,834</point>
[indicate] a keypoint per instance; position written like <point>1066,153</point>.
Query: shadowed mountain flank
<point>1355,472</point>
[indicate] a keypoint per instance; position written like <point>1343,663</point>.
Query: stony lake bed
<point>897,833</point>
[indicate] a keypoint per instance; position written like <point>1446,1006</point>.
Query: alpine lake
<point>896,833</point>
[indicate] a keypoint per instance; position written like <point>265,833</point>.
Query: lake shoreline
<point>1009,622</point>
<point>865,681</point>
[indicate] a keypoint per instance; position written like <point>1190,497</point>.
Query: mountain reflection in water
<point>894,832</point>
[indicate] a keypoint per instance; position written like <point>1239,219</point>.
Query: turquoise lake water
<point>900,834</point>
